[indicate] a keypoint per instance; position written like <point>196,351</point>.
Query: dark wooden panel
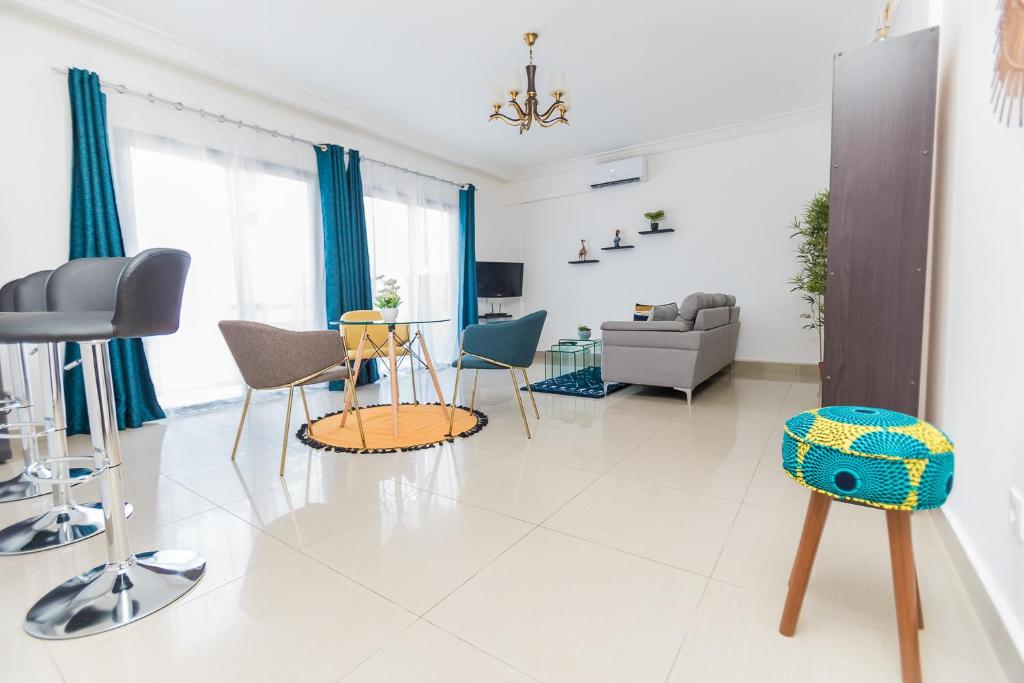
<point>883,128</point>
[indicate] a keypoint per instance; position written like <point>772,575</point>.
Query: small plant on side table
<point>654,217</point>
<point>583,331</point>
<point>388,299</point>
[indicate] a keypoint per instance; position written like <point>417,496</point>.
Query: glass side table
<point>571,355</point>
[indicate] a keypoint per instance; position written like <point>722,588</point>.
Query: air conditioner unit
<point>617,173</point>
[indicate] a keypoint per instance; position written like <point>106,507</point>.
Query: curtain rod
<point>122,89</point>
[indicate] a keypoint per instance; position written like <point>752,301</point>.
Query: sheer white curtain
<point>413,234</point>
<point>252,225</point>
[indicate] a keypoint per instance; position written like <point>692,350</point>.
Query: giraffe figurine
<point>583,250</point>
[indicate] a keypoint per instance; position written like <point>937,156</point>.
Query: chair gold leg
<point>412,376</point>
<point>305,409</point>
<point>533,399</point>
<point>241,423</point>
<point>287,428</point>
<point>353,375</point>
<point>455,396</point>
<point>519,399</point>
<point>472,396</point>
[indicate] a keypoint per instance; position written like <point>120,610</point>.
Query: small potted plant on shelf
<point>654,217</point>
<point>583,331</point>
<point>388,299</point>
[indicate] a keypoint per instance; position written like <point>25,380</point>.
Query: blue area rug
<point>586,383</point>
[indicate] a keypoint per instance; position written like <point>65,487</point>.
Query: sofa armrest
<point>647,326</point>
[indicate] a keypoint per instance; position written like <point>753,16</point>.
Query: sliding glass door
<point>253,230</point>
<point>412,230</point>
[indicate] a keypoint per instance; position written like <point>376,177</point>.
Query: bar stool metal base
<point>21,487</point>
<point>113,595</point>
<point>58,526</point>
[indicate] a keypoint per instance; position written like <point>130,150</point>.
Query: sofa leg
<point>689,395</point>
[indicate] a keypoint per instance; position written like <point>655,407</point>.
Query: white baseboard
<point>1002,640</point>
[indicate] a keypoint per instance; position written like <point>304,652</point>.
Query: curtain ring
<point>150,97</point>
<point>179,106</point>
<point>273,133</point>
<point>202,112</point>
<point>222,118</point>
<point>323,148</point>
<point>121,89</point>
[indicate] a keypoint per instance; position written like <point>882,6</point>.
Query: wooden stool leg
<point>904,581</point>
<point>814,522</point>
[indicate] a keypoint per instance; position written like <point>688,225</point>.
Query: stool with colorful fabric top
<point>876,458</point>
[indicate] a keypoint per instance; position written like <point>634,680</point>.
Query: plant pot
<point>583,334</point>
<point>390,315</point>
<point>654,226</point>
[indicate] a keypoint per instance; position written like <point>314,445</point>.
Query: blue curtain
<point>96,231</point>
<point>346,252</point>
<point>467,257</point>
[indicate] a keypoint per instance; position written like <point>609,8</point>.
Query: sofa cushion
<point>693,303</point>
<point>652,339</point>
<point>698,301</point>
<point>710,318</point>
<point>665,312</point>
<point>646,326</point>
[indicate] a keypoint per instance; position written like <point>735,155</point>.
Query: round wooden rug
<point>419,426</point>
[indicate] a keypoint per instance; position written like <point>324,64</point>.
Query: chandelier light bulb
<point>514,80</point>
<point>557,81</point>
<point>497,97</point>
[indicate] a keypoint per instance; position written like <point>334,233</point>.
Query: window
<point>253,230</point>
<point>412,232</point>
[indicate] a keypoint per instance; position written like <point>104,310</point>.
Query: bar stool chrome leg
<point>22,487</point>
<point>66,521</point>
<point>130,586</point>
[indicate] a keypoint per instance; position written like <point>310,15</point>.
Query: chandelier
<point>526,114</point>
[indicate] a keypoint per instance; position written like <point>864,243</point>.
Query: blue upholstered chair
<point>499,346</point>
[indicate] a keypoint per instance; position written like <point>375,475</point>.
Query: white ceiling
<point>637,71</point>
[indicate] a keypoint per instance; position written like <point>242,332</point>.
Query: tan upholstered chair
<point>271,358</point>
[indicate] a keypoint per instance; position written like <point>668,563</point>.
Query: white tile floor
<point>630,540</point>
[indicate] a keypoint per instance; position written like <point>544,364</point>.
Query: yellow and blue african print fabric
<point>870,456</point>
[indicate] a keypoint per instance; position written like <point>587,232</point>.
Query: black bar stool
<point>66,521</point>
<point>92,301</point>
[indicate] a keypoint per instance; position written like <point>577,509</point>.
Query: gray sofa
<point>680,347</point>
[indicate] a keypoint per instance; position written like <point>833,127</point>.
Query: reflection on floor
<point>631,539</point>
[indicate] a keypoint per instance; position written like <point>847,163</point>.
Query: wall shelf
<point>624,246</point>
<point>587,261</point>
<point>656,232</point>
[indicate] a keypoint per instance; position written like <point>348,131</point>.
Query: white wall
<point>35,128</point>
<point>976,365</point>
<point>731,197</point>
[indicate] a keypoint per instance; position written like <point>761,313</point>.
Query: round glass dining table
<point>390,340</point>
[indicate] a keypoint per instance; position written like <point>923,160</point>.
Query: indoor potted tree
<point>654,217</point>
<point>812,255</point>
<point>388,299</point>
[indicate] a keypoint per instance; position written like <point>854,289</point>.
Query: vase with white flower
<point>388,299</point>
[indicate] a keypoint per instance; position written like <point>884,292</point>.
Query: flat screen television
<point>498,279</point>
